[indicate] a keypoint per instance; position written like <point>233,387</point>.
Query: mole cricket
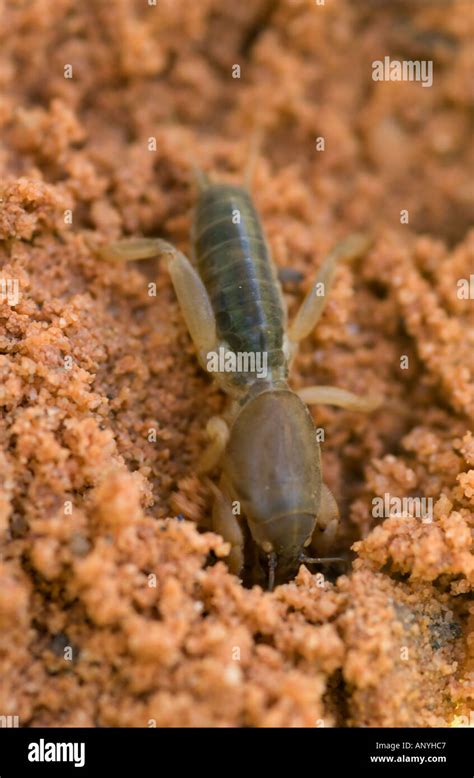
<point>265,442</point>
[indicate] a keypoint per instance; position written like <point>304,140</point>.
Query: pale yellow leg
<point>190,290</point>
<point>332,395</point>
<point>324,535</point>
<point>225,523</point>
<point>134,248</point>
<point>328,509</point>
<point>195,305</point>
<point>218,434</point>
<point>313,304</point>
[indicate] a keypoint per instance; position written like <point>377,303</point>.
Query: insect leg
<point>325,532</point>
<point>194,303</point>
<point>190,290</point>
<point>218,434</point>
<point>133,249</point>
<point>225,523</point>
<point>332,395</point>
<point>313,304</point>
<point>328,509</point>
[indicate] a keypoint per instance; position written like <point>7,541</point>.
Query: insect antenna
<point>321,560</point>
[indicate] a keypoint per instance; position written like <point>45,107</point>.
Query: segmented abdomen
<point>235,266</point>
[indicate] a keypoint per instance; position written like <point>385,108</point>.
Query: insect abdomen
<point>235,266</point>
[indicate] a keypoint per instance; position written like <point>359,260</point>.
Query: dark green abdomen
<point>234,263</point>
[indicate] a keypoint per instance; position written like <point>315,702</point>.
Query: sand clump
<point>116,607</point>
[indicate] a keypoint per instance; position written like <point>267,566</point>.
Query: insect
<point>271,503</point>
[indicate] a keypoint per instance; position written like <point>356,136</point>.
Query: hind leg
<point>313,304</point>
<point>190,290</point>
<point>308,316</point>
